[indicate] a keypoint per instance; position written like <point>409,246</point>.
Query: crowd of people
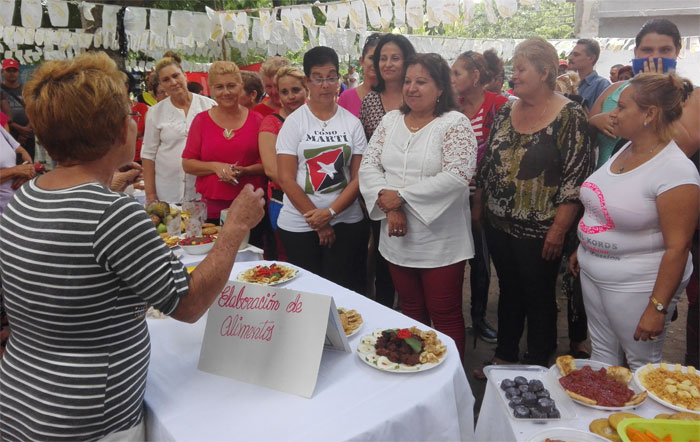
<point>388,188</point>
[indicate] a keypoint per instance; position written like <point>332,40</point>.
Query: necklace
<point>419,127</point>
<point>629,149</point>
<point>534,125</point>
<point>229,133</point>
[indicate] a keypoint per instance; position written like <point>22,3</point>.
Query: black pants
<point>342,263</point>
<point>527,291</point>
<point>479,274</point>
<point>383,285</point>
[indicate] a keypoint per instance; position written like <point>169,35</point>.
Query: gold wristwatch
<point>658,306</point>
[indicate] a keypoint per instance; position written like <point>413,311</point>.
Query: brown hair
<point>542,55</point>
<point>224,68</point>
<point>290,71</point>
<point>169,58</point>
<point>252,82</point>
<point>488,64</point>
<point>273,64</point>
<point>667,93</point>
<point>77,106</point>
<point>439,71</point>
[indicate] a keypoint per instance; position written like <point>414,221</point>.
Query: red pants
<point>433,294</point>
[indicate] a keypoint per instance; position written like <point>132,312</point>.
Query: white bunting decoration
<point>467,11</point>
<point>86,9</point>
<point>7,10</point>
<point>97,38</point>
<point>414,13</point>
<point>181,23</point>
<point>372,7</point>
<point>286,19</point>
<point>31,13</point>
<point>450,12</point>
<point>228,20</point>
<point>399,12</point>
<point>313,36</point>
<point>307,17</point>
<point>358,16</point>
<point>535,3</point>
<point>386,13</point>
<point>242,30</point>
<point>201,25</point>
<point>29,36</point>
<point>58,12</point>
<point>506,8</point>
<point>256,32</point>
<point>343,12</point>
<point>19,36</point>
<point>135,21</point>
<point>277,31</point>
<point>434,12</point>
<point>159,22</point>
<point>266,22</point>
<point>297,25</point>
<point>39,37</point>
<point>109,19</point>
<point>332,18</point>
<point>491,15</point>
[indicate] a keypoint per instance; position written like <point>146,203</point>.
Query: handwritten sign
<point>273,337</point>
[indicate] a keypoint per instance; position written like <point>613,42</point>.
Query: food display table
<point>250,253</point>
<point>522,430</point>
<point>352,401</point>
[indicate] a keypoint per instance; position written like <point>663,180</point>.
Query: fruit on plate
<point>196,240</point>
<point>159,208</point>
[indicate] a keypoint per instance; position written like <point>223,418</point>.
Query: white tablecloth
<point>352,400</point>
<point>510,430</point>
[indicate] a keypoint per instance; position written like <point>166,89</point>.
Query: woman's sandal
<point>478,372</point>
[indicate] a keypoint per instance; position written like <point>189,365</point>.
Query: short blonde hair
<point>77,107</point>
<point>542,55</point>
<point>170,58</point>
<point>291,71</point>
<point>273,64</point>
<point>224,68</point>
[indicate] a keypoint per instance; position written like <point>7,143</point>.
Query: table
<point>247,254</point>
<point>510,430</point>
<point>352,401</point>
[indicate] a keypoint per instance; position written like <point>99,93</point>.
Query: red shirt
<point>483,120</point>
<point>3,119</point>
<point>141,109</point>
<point>263,109</point>
<point>273,125</point>
<point>206,142</point>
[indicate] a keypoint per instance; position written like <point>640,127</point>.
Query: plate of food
<point>562,434</point>
<point>197,245</point>
<point>527,393</point>
<point>404,350</point>
<point>672,385</point>
<point>351,320</point>
<point>171,241</point>
<point>268,275</point>
<point>597,385</point>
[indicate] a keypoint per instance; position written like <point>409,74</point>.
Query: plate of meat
<point>597,384</point>
<point>402,350</point>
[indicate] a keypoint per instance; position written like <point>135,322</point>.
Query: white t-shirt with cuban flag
<point>620,232</point>
<point>323,162</point>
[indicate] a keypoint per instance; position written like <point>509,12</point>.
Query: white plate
<point>595,365</point>
<point>670,367</point>
<point>497,373</point>
<point>295,273</point>
<point>357,330</point>
<point>562,433</point>
<point>368,355</point>
<point>198,249</point>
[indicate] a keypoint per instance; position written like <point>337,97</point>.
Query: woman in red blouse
<point>222,144</point>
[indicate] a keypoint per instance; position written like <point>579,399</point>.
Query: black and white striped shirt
<point>78,267</point>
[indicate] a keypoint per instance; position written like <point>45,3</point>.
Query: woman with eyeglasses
<point>415,178</point>
<point>319,150</point>
<point>167,126</point>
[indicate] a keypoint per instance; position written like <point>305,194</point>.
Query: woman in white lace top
<point>414,177</point>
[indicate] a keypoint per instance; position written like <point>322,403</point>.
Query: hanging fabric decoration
<point>18,38</point>
<point>399,13</point>
<point>241,34</point>
<point>414,13</point>
<point>535,3</point>
<point>358,17</point>
<point>450,12</point>
<point>29,36</point>
<point>332,18</point>
<point>386,13</point>
<point>266,23</point>
<point>434,12</point>
<point>491,15</point>
<point>7,11</point>
<point>31,13</point>
<point>58,12</point>
<point>313,36</point>
<point>506,8</point>
<point>276,37</point>
<point>135,20</point>
<point>256,33</point>
<point>159,22</point>
<point>297,25</point>
<point>343,12</point>
<point>181,23</point>
<point>373,16</point>
<point>109,19</point>
<point>201,27</point>
<point>86,9</point>
<point>307,17</point>
<point>39,37</point>
<point>467,11</point>
<point>286,19</point>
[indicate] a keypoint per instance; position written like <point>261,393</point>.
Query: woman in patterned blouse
<point>538,155</point>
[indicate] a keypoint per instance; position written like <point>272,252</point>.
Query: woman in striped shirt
<point>80,264</point>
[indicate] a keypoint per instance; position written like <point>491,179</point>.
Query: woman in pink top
<point>351,99</point>
<point>222,144</point>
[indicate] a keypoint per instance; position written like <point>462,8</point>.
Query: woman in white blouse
<point>414,177</point>
<point>167,125</point>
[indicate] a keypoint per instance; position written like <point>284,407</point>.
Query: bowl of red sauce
<point>197,245</point>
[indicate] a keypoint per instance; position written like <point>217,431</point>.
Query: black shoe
<point>484,330</point>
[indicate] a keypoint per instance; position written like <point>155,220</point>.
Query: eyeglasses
<point>320,81</point>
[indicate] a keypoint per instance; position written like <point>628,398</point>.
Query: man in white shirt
<point>352,78</point>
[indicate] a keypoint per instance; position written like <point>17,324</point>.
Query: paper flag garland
<point>241,34</point>
<point>159,22</point>
<point>358,17</point>
<point>31,13</point>
<point>386,13</point>
<point>266,23</point>
<point>7,11</point>
<point>467,11</point>
<point>135,20</point>
<point>58,12</point>
<point>372,7</point>
<point>506,8</point>
<point>109,18</point>
<point>399,12</point>
<point>414,13</point>
<point>450,12</point>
